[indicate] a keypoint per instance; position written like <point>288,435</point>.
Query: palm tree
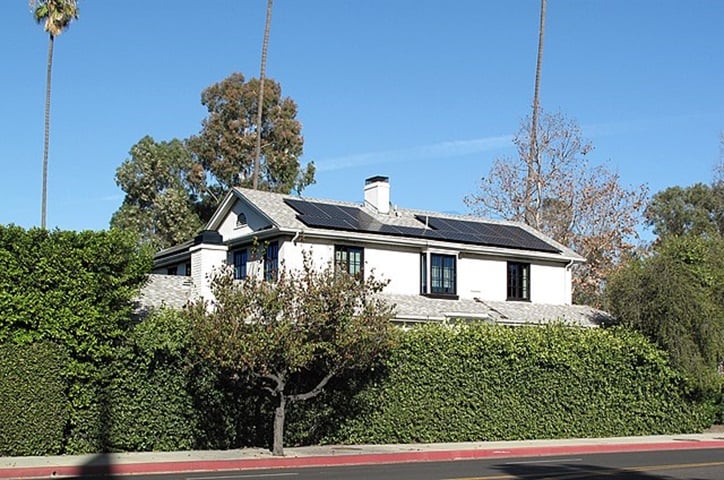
<point>262,73</point>
<point>531,214</point>
<point>56,16</point>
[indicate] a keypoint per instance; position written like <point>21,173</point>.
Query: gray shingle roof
<point>172,291</point>
<point>285,217</point>
<point>417,308</point>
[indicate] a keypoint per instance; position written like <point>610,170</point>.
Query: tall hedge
<point>484,382</point>
<point>33,403</point>
<point>75,289</point>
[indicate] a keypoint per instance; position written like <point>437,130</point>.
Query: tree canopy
<point>173,187</point>
<point>676,298</point>
<point>580,205</point>
<point>161,200</point>
<point>293,335</point>
<point>225,147</point>
<point>697,210</point>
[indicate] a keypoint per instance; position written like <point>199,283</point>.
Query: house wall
<point>482,278</point>
<point>477,276</point>
<point>229,229</point>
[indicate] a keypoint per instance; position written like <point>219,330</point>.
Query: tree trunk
<point>46,142</point>
<point>278,446</point>
<point>260,106</point>
<point>532,214</point>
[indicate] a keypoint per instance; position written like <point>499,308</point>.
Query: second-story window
<point>518,281</point>
<point>442,274</point>
<point>271,262</point>
<point>349,259</point>
<point>241,257</point>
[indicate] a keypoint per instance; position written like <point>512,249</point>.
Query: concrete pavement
<point>334,455</point>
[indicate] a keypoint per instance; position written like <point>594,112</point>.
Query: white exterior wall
<point>400,267</point>
<point>228,228</point>
<point>477,277</point>
<point>482,278</point>
<point>205,259</point>
<point>550,284</point>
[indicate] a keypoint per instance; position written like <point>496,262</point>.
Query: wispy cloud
<point>442,150</point>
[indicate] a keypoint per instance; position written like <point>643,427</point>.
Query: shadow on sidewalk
<point>574,471</point>
<point>100,466</point>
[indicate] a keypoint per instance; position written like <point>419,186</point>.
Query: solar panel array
<point>354,219</point>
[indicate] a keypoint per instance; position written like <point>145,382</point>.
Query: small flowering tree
<point>304,328</point>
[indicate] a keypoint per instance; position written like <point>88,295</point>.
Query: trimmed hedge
<point>482,382</point>
<point>34,406</point>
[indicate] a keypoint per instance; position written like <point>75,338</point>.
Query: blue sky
<point>426,92</point>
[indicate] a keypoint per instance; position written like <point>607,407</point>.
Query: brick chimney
<point>377,193</point>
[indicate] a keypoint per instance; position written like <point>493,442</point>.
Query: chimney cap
<point>377,178</point>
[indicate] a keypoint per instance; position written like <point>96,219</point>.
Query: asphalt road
<point>701,464</point>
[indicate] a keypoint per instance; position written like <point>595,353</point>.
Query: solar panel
<point>493,234</point>
<point>348,218</point>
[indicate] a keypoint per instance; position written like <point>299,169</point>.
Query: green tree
<point>293,335</point>
<point>55,15</point>
<point>696,210</point>
<point>224,149</point>
<point>161,202</point>
<point>676,298</point>
<point>582,206</point>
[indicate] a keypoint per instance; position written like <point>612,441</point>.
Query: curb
<point>189,466</point>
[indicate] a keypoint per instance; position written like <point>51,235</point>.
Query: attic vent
<point>241,220</point>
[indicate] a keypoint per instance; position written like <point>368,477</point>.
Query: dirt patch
<point>715,429</point>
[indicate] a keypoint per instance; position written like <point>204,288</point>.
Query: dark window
<point>241,257</point>
<point>187,270</point>
<point>518,281</point>
<point>349,259</point>
<point>241,220</point>
<point>442,274</point>
<point>271,262</point>
<point>423,273</point>
<point>171,270</point>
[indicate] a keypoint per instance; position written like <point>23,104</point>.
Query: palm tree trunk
<point>44,202</point>
<point>260,105</point>
<point>532,215</point>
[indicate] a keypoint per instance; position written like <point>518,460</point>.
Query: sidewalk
<point>334,455</point>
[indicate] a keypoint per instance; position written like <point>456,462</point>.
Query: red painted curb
<point>345,459</point>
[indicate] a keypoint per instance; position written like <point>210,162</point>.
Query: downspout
<point>568,287</point>
<point>295,237</point>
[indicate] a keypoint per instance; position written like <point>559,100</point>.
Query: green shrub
<point>483,382</point>
<point>75,289</point>
<point>34,410</point>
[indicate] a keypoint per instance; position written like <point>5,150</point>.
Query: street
<point>701,464</point>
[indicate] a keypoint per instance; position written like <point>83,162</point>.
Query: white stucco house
<point>440,267</point>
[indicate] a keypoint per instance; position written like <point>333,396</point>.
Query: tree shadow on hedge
<point>100,465</point>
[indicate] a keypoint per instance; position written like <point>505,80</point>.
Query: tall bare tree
<point>55,15</point>
<point>583,206</point>
<point>260,108</point>
<point>533,163</point>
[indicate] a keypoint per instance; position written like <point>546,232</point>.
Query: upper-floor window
<point>241,257</point>
<point>518,281</point>
<point>349,259</point>
<point>240,220</point>
<point>172,270</point>
<point>187,269</point>
<point>271,262</point>
<point>438,274</point>
<point>442,274</point>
